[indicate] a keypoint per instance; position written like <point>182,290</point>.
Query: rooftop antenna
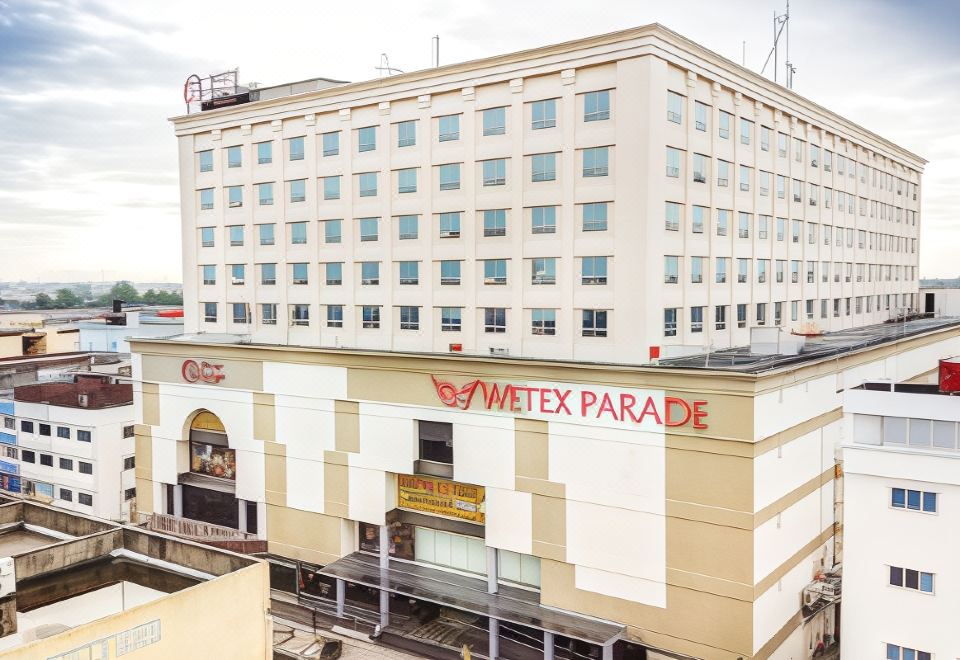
<point>781,25</point>
<point>385,69</point>
<point>435,52</point>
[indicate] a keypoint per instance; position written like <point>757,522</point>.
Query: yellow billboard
<point>441,497</point>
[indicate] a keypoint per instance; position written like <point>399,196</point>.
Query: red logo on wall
<point>572,402</point>
<point>194,371</point>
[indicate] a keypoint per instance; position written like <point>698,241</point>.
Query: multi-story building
<point>75,445</point>
<point>902,478</point>
<point>611,198</point>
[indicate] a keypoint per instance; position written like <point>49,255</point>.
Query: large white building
<point>608,199</point>
<point>901,585</point>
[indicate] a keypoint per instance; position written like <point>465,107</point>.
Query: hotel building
<point>612,199</point>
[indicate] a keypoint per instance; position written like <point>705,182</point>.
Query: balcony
<point>202,532</point>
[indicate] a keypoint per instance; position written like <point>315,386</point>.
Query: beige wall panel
<point>264,417</point>
<point>238,374</point>
<point>150,395</point>
<point>275,479</point>
<point>336,490</point>
<point>303,535</point>
<point>549,520</point>
<point>711,550</point>
<point>347,426</point>
<point>710,479</point>
<point>145,496</point>
<point>532,449</point>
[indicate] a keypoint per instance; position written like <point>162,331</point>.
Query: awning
<point>510,605</point>
<point>209,483</point>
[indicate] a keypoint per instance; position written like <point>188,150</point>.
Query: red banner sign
<point>567,401</point>
<point>204,371</point>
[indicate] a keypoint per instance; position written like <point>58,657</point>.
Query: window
<point>720,317</point>
<point>699,213</point>
<point>299,273</point>
<point>209,274</point>
<point>673,162</point>
<point>332,231</point>
<point>814,155</point>
<point>46,459</point>
<point>409,272</point>
<point>594,323</point>
<point>741,315</point>
<point>796,226</point>
<point>435,442</point>
<point>334,316</point>
<point>916,500</point>
<point>495,121</point>
<point>725,120</point>
<point>407,227</point>
<point>268,313</point>
<point>238,274</point>
<point>449,225</point>
<point>367,183</point>
<point>369,229</point>
<point>300,315</point>
<point>696,319</point>
<point>295,148</point>
<point>745,176</point>
<point>674,107</point>
<point>268,274</point>
<point>495,172</point>
<point>234,157</point>
<point>596,106</point>
<point>761,313</point>
<point>64,432</point>
<point>66,464</point>
<point>744,229</point>
<point>701,113</point>
<point>66,495</point>
<point>743,271</point>
<point>449,126</point>
<point>333,272</point>
<point>596,162</point>
<point>721,276</point>
<point>543,321</point>
<point>763,227</point>
<point>723,217</point>
<point>895,652</point>
<point>236,235</point>
<point>206,160</point>
<point>781,187</point>
<point>266,234</point>
<point>206,237</point>
<point>723,174</point>
<point>28,456</point>
<point>406,133</point>
<point>450,319</point>
<point>209,316</point>
<point>450,272</point>
<point>44,429</point>
<point>85,499</point>
<point>670,322</point>
<point>495,222</point>
<point>671,269</point>
<point>450,176</point>
<point>593,270</point>
<point>234,197</point>
<point>672,216</point>
<point>746,130</point>
<point>129,494</point>
<point>544,219</point>
<point>298,190</point>
<point>241,313</point>
<point>543,114</point>
<point>798,150</point>
<point>298,233</point>
<point>907,578</point>
<point>764,138</point>
<point>701,168</point>
<point>594,216</point>
<point>331,187</point>
<point>543,167</point>
<point>782,145</point>
<point>409,318</point>
<point>762,270</point>
<point>366,140</point>
<point>543,271</point>
<point>494,319</point>
<point>264,153</point>
<point>494,271</point>
<point>370,273</point>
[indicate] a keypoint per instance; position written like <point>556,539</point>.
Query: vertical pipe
<point>493,571</point>
<point>384,566</point>
<point>775,65</point>
<point>341,597</point>
<point>789,67</point>
<point>494,652</point>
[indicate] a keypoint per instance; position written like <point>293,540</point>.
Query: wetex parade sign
<point>622,407</point>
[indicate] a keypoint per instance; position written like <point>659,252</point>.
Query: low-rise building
<point>111,330</point>
<point>940,297</point>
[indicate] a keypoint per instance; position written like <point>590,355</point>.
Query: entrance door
<point>929,303</point>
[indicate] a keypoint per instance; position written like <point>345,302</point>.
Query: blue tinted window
<point>913,499</point>
<point>366,139</point>
<point>898,497</point>
<point>331,144</point>
<point>926,582</point>
<point>930,502</point>
<point>893,652</point>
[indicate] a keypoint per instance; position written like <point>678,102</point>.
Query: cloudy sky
<point>88,179</point>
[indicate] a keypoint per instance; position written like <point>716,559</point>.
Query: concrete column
<point>242,515</point>
<point>548,645</point>
<point>608,651</point>
<point>385,609</point>
<point>178,501</point>
<point>495,639</point>
<point>341,596</point>
<point>493,570</point>
<point>384,565</point>
<point>384,546</point>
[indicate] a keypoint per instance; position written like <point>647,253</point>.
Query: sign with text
<point>439,496</point>
<point>193,372</point>
<point>650,410</point>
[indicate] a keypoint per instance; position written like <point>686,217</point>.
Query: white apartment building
<point>610,198</point>
<point>74,446</point>
<point>901,585</point>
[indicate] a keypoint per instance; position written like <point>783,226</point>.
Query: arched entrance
<point>208,488</point>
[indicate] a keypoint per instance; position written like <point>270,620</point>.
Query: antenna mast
<point>385,69</point>
<point>781,24</point>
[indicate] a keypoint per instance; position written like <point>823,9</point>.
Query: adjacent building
<point>940,297</point>
<point>111,331</point>
<point>611,199</point>
<point>902,479</point>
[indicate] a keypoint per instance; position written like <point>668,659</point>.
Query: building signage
<point>9,468</point>
<point>549,401</point>
<point>439,496</point>
<point>202,371</point>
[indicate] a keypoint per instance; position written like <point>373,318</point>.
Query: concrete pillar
<point>178,501</point>
<point>384,609</point>
<point>548,645</point>
<point>495,639</point>
<point>241,515</point>
<point>384,565</point>
<point>493,570</point>
<point>341,596</point>
<point>384,546</point>
<point>608,651</point>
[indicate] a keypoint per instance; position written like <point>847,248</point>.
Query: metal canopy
<point>510,605</point>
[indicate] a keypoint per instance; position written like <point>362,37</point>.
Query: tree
<point>66,298</point>
<point>43,301</point>
<point>122,290</point>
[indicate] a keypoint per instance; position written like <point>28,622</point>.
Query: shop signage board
<point>441,497</point>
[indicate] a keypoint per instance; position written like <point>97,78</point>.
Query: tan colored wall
<point>11,346</point>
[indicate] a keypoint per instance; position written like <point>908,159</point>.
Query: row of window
<point>543,271</point>
<point>913,500</point>
<point>864,272</point>
<point>911,579</point>
<point>46,430</point>
<point>449,225</point>
<point>30,456</point>
<point>895,652</point>
<point>747,133</point>
<point>543,114</point>
<point>543,321</point>
<point>902,431</point>
<point>671,315</point>
<point>43,489</point>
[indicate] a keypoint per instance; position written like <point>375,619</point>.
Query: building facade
<point>612,198</point>
<point>901,481</point>
<point>672,510</point>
